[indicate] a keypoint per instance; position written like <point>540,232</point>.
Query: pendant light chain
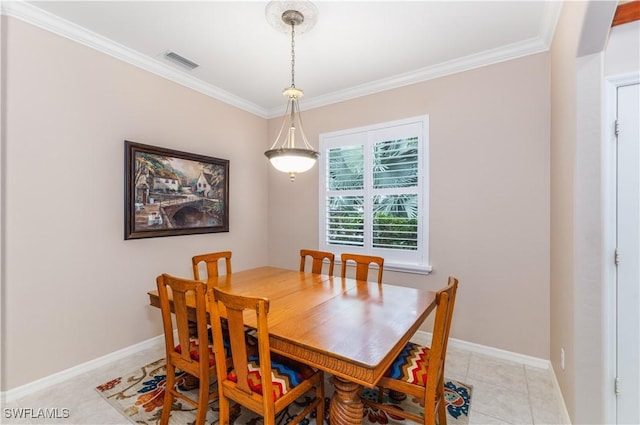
<point>293,54</point>
<point>291,140</point>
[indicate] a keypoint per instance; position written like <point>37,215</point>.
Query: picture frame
<point>170,192</point>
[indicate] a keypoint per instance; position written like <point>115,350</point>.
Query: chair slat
<point>211,261</point>
<point>318,258</point>
<point>362,265</point>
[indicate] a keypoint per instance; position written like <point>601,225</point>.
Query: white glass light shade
<point>292,160</point>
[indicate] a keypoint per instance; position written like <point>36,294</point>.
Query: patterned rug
<point>139,394</point>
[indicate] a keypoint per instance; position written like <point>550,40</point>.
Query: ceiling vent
<point>174,57</point>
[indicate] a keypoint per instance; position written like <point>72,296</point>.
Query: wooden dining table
<point>348,328</point>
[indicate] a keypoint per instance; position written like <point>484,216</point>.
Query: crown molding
<point>550,21</point>
<point>40,18</point>
<point>489,57</point>
<point>45,20</point>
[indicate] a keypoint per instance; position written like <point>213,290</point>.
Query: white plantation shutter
<point>374,193</point>
<point>395,163</point>
<point>392,233</point>
<point>395,184</point>
<point>344,225</point>
<point>346,165</point>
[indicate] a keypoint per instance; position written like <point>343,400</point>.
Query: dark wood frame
<point>183,197</point>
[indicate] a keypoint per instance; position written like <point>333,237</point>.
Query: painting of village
<point>175,193</point>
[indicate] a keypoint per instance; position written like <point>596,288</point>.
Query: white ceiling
<point>356,47</point>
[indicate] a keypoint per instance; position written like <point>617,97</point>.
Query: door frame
<point>609,211</point>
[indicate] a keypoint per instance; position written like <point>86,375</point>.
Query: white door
<point>628,249</point>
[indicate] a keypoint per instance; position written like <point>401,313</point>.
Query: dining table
<point>349,328</point>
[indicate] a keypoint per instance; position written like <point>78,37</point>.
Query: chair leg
<point>269,420</point>
<point>203,401</point>
<point>168,395</point>
<point>223,410</point>
<point>442,412</point>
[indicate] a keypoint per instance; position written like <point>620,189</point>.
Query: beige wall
<point>489,191</point>
<point>563,151</point>
<point>74,290</point>
<point>581,279</point>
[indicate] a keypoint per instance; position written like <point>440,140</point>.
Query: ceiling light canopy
<point>284,155</point>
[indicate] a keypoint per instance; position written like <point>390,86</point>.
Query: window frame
<point>395,259</point>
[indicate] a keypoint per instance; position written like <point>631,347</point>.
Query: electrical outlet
<point>562,358</point>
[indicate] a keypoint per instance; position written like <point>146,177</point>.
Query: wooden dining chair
<point>192,354</point>
<point>211,261</point>
<point>419,371</point>
<point>211,267</point>
<point>267,383</point>
<point>362,265</point>
<point>317,262</point>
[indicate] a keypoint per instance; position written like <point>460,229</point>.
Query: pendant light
<point>284,155</point>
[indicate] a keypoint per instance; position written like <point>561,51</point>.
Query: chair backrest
<point>445,301</point>
<point>362,265</point>
<point>211,261</point>
<point>318,260</point>
<point>234,306</point>
<point>181,290</point>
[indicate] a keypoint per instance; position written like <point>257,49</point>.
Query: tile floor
<point>504,392</point>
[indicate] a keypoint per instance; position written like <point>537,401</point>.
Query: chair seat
<point>411,365</point>
<point>285,375</point>
<point>193,351</point>
<point>194,344</point>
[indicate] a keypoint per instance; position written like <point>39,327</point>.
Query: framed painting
<point>169,192</point>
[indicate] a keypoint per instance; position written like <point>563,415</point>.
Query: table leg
<point>345,407</point>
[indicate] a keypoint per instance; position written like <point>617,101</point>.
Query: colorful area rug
<point>138,396</point>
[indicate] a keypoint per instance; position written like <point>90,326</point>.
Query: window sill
<point>401,267</point>
<point>408,268</point>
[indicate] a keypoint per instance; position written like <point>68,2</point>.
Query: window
<point>374,193</point>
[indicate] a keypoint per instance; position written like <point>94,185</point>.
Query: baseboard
<point>424,338</point>
<point>13,394</point>
<point>558,390</point>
